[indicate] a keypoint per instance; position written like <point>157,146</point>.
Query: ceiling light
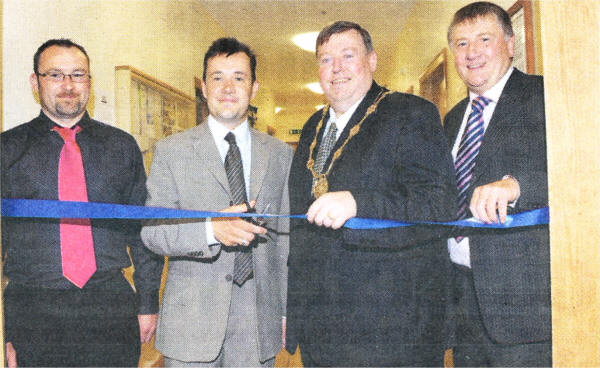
<point>306,41</point>
<point>315,87</point>
<point>319,107</point>
<point>278,108</point>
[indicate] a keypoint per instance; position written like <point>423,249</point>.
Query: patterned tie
<point>467,154</point>
<point>242,267</point>
<point>325,148</point>
<point>76,241</point>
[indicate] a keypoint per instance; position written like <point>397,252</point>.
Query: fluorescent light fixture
<point>278,108</point>
<point>306,41</point>
<point>315,87</point>
<point>319,107</point>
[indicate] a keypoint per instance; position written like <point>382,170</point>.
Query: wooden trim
<point>136,73</point>
<point>441,59</point>
<point>198,82</point>
<point>527,7</point>
<point>570,36</point>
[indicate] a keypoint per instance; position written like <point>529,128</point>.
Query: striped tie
<point>242,267</point>
<point>467,154</point>
<point>325,149</point>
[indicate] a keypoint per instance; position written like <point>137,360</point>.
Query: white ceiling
<point>269,25</point>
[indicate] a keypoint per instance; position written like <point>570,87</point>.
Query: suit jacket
<point>187,172</point>
<point>511,268</point>
<point>374,297</point>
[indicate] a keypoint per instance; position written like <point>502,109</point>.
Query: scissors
<point>256,220</point>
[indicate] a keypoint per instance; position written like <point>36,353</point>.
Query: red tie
<point>76,241</point>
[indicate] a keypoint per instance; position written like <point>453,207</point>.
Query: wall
<point>423,37</point>
<point>285,121</point>
<point>266,107</point>
<point>166,39</point>
<point>571,54</point>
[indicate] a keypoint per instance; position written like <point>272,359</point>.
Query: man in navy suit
<point>367,297</point>
<point>501,313</point>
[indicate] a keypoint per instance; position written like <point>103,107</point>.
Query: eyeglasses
<point>77,77</point>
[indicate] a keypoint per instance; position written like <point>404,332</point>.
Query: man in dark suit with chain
<point>367,297</point>
<point>501,312</point>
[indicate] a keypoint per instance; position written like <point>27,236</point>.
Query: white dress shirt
<point>243,139</point>
<point>342,120</point>
<point>460,252</point>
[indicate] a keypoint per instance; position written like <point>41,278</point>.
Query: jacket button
<point>196,254</point>
<point>228,278</point>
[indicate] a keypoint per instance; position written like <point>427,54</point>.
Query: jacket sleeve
<point>283,230</point>
<point>530,166</point>
<point>148,266</point>
<point>179,237</point>
<point>423,186</point>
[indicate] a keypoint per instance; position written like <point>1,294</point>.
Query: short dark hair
<point>481,9</point>
<point>343,26</point>
<point>61,42</point>
<point>229,46</point>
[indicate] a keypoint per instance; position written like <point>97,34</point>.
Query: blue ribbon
<point>37,208</point>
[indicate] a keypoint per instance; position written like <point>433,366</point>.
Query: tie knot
<point>67,134</point>
<point>479,103</point>
<point>333,126</point>
<point>230,138</point>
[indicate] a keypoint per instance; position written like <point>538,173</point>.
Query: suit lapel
<point>207,155</point>
<point>260,163</point>
<point>508,107</point>
<point>359,113</point>
<point>453,125</point>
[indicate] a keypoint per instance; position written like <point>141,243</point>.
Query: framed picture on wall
<point>433,83</point>
<point>521,15</point>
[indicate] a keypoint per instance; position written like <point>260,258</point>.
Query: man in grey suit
<point>501,301</point>
<point>224,302</point>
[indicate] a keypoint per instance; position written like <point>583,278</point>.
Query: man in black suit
<point>501,300</point>
<point>367,297</point>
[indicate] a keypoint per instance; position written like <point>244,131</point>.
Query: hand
<point>11,355</point>
<point>233,231</point>
<point>148,324</point>
<point>492,199</point>
<point>332,209</point>
<point>283,331</point>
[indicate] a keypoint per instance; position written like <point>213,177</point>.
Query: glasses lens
<point>79,77</point>
<point>56,77</point>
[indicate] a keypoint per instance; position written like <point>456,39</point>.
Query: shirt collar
<point>219,131</point>
<point>495,92</point>
<point>345,116</point>
<point>84,122</point>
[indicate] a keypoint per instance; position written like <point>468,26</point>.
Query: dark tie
<point>325,148</point>
<point>467,154</point>
<point>242,267</point>
<point>76,241</point>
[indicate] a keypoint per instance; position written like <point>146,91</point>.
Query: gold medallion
<point>321,186</point>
